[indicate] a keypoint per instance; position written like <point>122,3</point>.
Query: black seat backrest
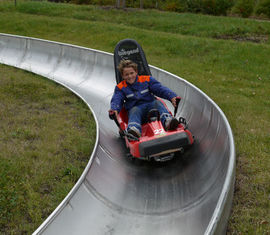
<point>129,49</point>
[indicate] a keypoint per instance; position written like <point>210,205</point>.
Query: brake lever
<point>178,99</point>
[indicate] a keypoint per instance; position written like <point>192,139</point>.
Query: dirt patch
<point>245,38</point>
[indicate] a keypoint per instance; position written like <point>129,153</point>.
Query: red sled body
<point>155,142</point>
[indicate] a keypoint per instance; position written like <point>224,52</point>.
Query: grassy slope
<point>234,74</point>
<point>47,135</point>
<point>185,24</point>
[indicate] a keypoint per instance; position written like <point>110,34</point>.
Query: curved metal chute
<point>114,195</point>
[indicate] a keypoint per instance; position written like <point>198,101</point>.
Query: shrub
<point>148,3</point>
<point>244,7</point>
<point>81,1</point>
<point>213,7</point>
<point>216,7</point>
<point>194,5</point>
<point>176,6</point>
<point>264,8</point>
<point>61,1</point>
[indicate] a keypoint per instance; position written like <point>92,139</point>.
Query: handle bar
<point>178,99</point>
<point>112,116</point>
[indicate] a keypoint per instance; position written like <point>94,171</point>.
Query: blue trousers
<point>138,114</point>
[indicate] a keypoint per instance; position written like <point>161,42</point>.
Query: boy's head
<point>128,70</point>
<point>127,64</point>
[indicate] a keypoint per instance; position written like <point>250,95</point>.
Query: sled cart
<point>155,142</point>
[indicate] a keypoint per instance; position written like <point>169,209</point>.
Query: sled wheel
<point>131,157</point>
<point>121,133</point>
<point>184,122</point>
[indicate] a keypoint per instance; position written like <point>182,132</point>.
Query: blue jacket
<point>141,91</point>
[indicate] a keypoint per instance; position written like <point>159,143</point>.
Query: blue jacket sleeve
<point>159,90</point>
<point>117,100</point>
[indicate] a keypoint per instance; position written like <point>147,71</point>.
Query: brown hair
<point>127,64</point>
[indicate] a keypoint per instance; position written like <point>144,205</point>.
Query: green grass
<point>185,24</point>
<point>234,73</point>
<point>46,138</point>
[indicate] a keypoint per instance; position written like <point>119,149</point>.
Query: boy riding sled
<point>137,94</point>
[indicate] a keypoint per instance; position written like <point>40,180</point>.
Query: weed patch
<point>241,38</point>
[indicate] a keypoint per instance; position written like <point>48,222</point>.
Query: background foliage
<point>243,8</point>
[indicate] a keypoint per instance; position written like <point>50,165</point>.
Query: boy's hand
<point>112,113</point>
<point>174,103</point>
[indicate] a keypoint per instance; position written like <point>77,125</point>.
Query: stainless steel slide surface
<point>189,195</point>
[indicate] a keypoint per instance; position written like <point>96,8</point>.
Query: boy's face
<point>129,74</point>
